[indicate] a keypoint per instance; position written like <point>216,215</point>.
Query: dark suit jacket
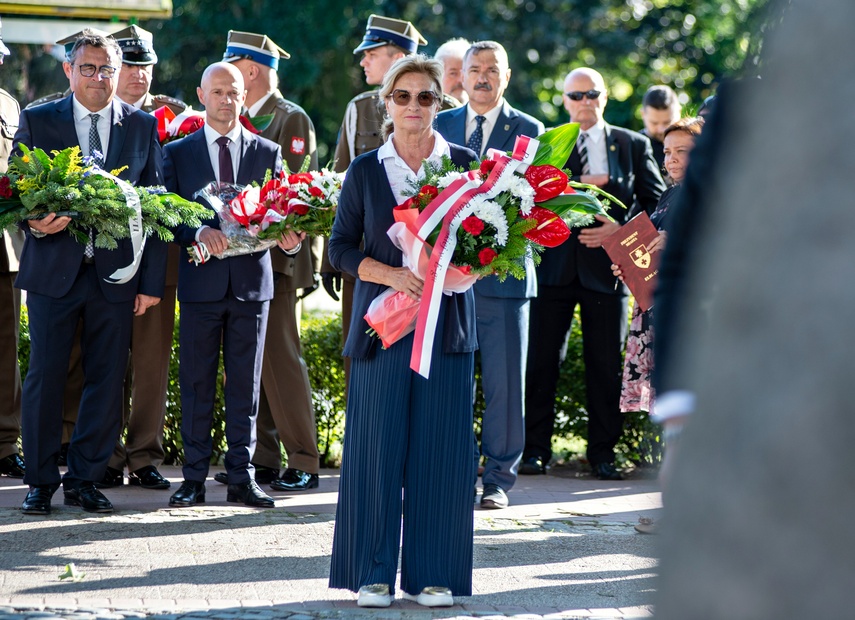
<point>50,265</point>
<point>510,124</point>
<point>187,169</point>
<point>634,179</point>
<point>365,211</point>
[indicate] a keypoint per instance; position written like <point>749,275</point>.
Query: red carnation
<point>427,193</point>
<point>300,208</point>
<point>317,192</point>
<point>300,177</point>
<point>487,166</point>
<point>486,256</point>
<point>473,225</point>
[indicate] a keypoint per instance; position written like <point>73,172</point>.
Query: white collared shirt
<point>595,141</point>
<point>490,119</point>
<point>400,175</point>
<point>211,137</point>
<point>255,108</point>
<point>82,123</point>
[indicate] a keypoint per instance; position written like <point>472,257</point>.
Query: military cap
<point>389,31</point>
<point>137,46</point>
<point>3,49</point>
<point>251,46</point>
<point>69,41</point>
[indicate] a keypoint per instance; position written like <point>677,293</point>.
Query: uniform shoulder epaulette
<point>164,100</point>
<point>366,95</point>
<point>286,105</point>
<point>45,99</point>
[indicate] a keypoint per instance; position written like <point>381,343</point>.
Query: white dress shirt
<point>255,108</point>
<point>400,175</point>
<point>82,123</point>
<point>595,141</point>
<point>490,119</point>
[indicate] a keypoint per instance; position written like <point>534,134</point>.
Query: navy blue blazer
<point>187,169</point>
<point>510,124</point>
<point>365,212</point>
<point>49,265</point>
<point>634,179</point>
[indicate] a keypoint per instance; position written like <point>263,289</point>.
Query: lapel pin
<point>507,127</point>
<point>613,148</point>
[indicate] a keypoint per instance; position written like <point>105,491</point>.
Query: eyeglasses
<point>426,98</point>
<point>104,71</point>
<point>578,95</point>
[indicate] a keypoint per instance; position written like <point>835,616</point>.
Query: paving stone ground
<point>565,548</point>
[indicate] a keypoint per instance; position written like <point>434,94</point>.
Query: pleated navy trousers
<point>407,452</point>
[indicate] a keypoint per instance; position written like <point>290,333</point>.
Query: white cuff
<point>294,250</point>
<point>672,404</point>
<point>199,231</point>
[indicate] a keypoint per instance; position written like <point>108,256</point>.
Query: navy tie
<point>227,174</point>
<point>477,137</point>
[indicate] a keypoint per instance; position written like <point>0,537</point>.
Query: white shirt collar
<point>440,148</point>
<point>491,116</point>
<point>255,108</point>
<point>212,135</point>
<point>597,133</point>
<point>81,112</point>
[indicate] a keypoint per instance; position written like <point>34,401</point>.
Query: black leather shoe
<point>263,475</point>
<point>62,459</point>
<point>532,466</point>
<point>250,494</point>
<point>37,501</point>
<point>295,480</point>
<point>607,471</point>
<point>112,478</point>
<point>189,493</point>
<point>493,497</point>
<point>148,478</point>
<point>12,466</point>
<point>87,497</point>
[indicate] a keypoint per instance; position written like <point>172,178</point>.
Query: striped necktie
<point>583,153</point>
<point>96,152</point>
<point>477,138</point>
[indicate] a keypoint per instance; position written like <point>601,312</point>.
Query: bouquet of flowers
<point>254,217</point>
<point>171,126</point>
<point>488,221</point>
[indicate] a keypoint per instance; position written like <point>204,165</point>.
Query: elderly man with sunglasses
<point>578,273</point>
<point>502,308</point>
<point>69,283</point>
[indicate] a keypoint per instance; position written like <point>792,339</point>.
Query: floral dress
<point>637,390</point>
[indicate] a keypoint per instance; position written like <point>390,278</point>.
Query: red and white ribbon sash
<point>451,207</point>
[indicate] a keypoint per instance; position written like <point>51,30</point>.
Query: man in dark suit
<point>285,411</point>
<point>578,273</point>
<point>502,308</point>
<point>223,301</point>
<point>67,282</point>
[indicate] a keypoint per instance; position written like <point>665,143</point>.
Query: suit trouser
<point>503,342</point>
<point>73,388</point>
<point>401,430</point>
<point>10,374</point>
<point>144,397</point>
<point>604,327</point>
<point>239,326</point>
<point>285,411</point>
<point>106,334</point>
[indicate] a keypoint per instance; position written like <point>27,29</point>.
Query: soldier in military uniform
<point>285,410</point>
<point>11,463</point>
<point>146,382</point>
<point>386,40</point>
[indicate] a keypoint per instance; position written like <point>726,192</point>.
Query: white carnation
<point>492,213</point>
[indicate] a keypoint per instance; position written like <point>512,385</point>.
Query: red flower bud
<point>486,256</point>
<point>429,192</point>
<point>473,225</point>
<point>317,192</point>
<point>487,166</point>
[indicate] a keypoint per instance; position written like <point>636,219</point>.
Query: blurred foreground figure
<point>758,522</point>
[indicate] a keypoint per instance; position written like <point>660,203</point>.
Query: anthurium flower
<point>551,231</point>
<point>547,181</point>
<point>300,177</point>
<point>473,225</point>
<point>486,256</point>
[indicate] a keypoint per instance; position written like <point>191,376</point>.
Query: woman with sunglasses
<point>402,430</point>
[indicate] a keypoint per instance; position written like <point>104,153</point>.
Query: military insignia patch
<point>298,146</point>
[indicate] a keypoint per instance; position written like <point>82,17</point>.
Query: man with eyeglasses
<point>386,40</point>
<point>487,121</point>
<point>11,243</point>
<point>578,273</point>
<point>67,282</point>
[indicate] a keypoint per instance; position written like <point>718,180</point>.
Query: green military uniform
<point>10,299</point>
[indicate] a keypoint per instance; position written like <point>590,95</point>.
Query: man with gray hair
<point>451,54</point>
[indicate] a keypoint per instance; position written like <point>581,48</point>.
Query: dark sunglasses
<point>426,98</point>
<point>578,95</point>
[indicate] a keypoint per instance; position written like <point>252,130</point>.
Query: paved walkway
<point>564,548</point>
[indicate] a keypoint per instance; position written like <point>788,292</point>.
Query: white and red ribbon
<point>450,207</point>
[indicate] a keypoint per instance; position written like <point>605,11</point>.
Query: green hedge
<point>321,340</point>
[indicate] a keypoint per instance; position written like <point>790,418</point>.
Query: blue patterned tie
<point>477,136</point>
